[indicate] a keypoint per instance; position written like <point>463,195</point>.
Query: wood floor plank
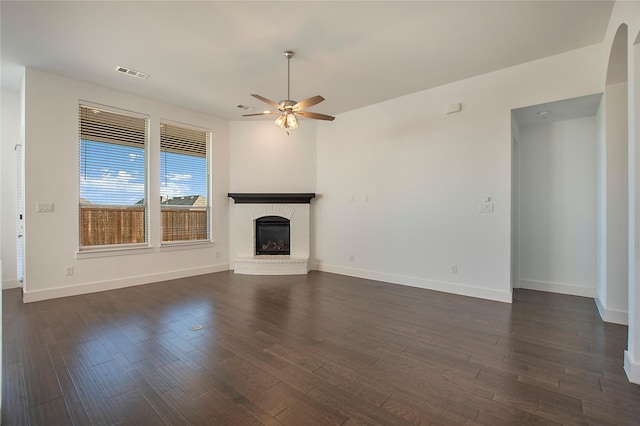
<point>303,408</point>
<point>135,409</point>
<point>72,399</point>
<point>95,402</point>
<point>312,349</point>
<point>50,413</point>
<point>15,409</point>
<point>40,378</point>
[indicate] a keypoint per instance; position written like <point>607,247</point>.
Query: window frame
<point>178,244</point>
<point>97,250</point>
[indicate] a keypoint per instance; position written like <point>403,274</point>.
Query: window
<point>113,207</point>
<point>184,183</point>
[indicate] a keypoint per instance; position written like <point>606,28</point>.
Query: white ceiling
<point>566,109</point>
<point>210,55</point>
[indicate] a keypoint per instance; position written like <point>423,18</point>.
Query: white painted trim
<point>74,290</point>
<point>116,250</point>
<point>185,245</point>
<point>563,288</point>
<point>7,284</point>
<point>443,286</point>
<point>632,368</point>
<point>609,315</point>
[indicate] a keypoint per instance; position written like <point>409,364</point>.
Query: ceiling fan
<point>288,109</point>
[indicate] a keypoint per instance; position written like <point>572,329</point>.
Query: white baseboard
<point>609,315</point>
<point>7,284</point>
<point>632,368</point>
<point>74,290</point>
<point>562,288</point>
<point>443,286</point>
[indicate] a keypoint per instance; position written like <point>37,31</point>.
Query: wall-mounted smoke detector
<point>132,72</point>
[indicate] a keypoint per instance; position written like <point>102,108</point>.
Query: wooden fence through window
<point>183,224</point>
<point>126,225</point>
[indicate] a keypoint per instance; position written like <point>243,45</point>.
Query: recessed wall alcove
<point>250,207</point>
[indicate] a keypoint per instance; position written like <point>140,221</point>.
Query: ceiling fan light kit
<point>288,109</point>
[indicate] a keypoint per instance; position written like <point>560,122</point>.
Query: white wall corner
<point>8,284</point>
<point>632,368</point>
<point>554,287</point>
<point>610,315</point>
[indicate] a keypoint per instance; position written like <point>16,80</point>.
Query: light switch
<point>44,207</point>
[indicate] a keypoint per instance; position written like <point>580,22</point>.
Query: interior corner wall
<point>615,306</point>
<point>515,202</point>
<point>601,210</point>
<point>263,158</point>
<point>51,175</point>
<point>401,182</point>
<point>10,137</point>
<point>557,204</point>
<point>632,355</point>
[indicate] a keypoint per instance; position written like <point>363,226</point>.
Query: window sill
<point>113,251</point>
<point>185,245</point>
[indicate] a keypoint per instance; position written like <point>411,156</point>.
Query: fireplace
<point>272,236</point>
<point>288,251</point>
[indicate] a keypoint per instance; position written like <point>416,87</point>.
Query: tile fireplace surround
<point>250,206</point>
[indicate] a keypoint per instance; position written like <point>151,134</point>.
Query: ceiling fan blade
<point>315,115</point>
<point>260,113</point>
<point>309,102</point>
<point>267,101</point>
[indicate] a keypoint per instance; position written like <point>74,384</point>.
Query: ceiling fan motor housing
<point>287,104</point>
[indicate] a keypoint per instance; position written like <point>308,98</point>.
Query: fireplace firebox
<point>272,236</point>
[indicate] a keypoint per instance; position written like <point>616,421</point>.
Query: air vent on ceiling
<point>132,72</point>
<point>244,107</point>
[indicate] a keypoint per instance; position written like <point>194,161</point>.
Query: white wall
<point>264,159</point>
<point>10,127</point>
<point>613,303</point>
<point>628,13</point>
<point>632,355</point>
<point>51,175</point>
<point>557,206</point>
<point>515,202</point>
<point>417,176</point>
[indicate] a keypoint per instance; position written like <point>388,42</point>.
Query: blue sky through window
<point>114,174</point>
<point>182,175</point>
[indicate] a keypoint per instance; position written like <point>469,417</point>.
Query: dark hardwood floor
<point>310,350</point>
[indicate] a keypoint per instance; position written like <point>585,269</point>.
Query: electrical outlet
<point>453,269</point>
<point>217,255</point>
<point>352,258</point>
<point>68,270</point>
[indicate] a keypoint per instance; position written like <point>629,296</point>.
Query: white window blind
<point>184,183</point>
<point>113,207</point>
